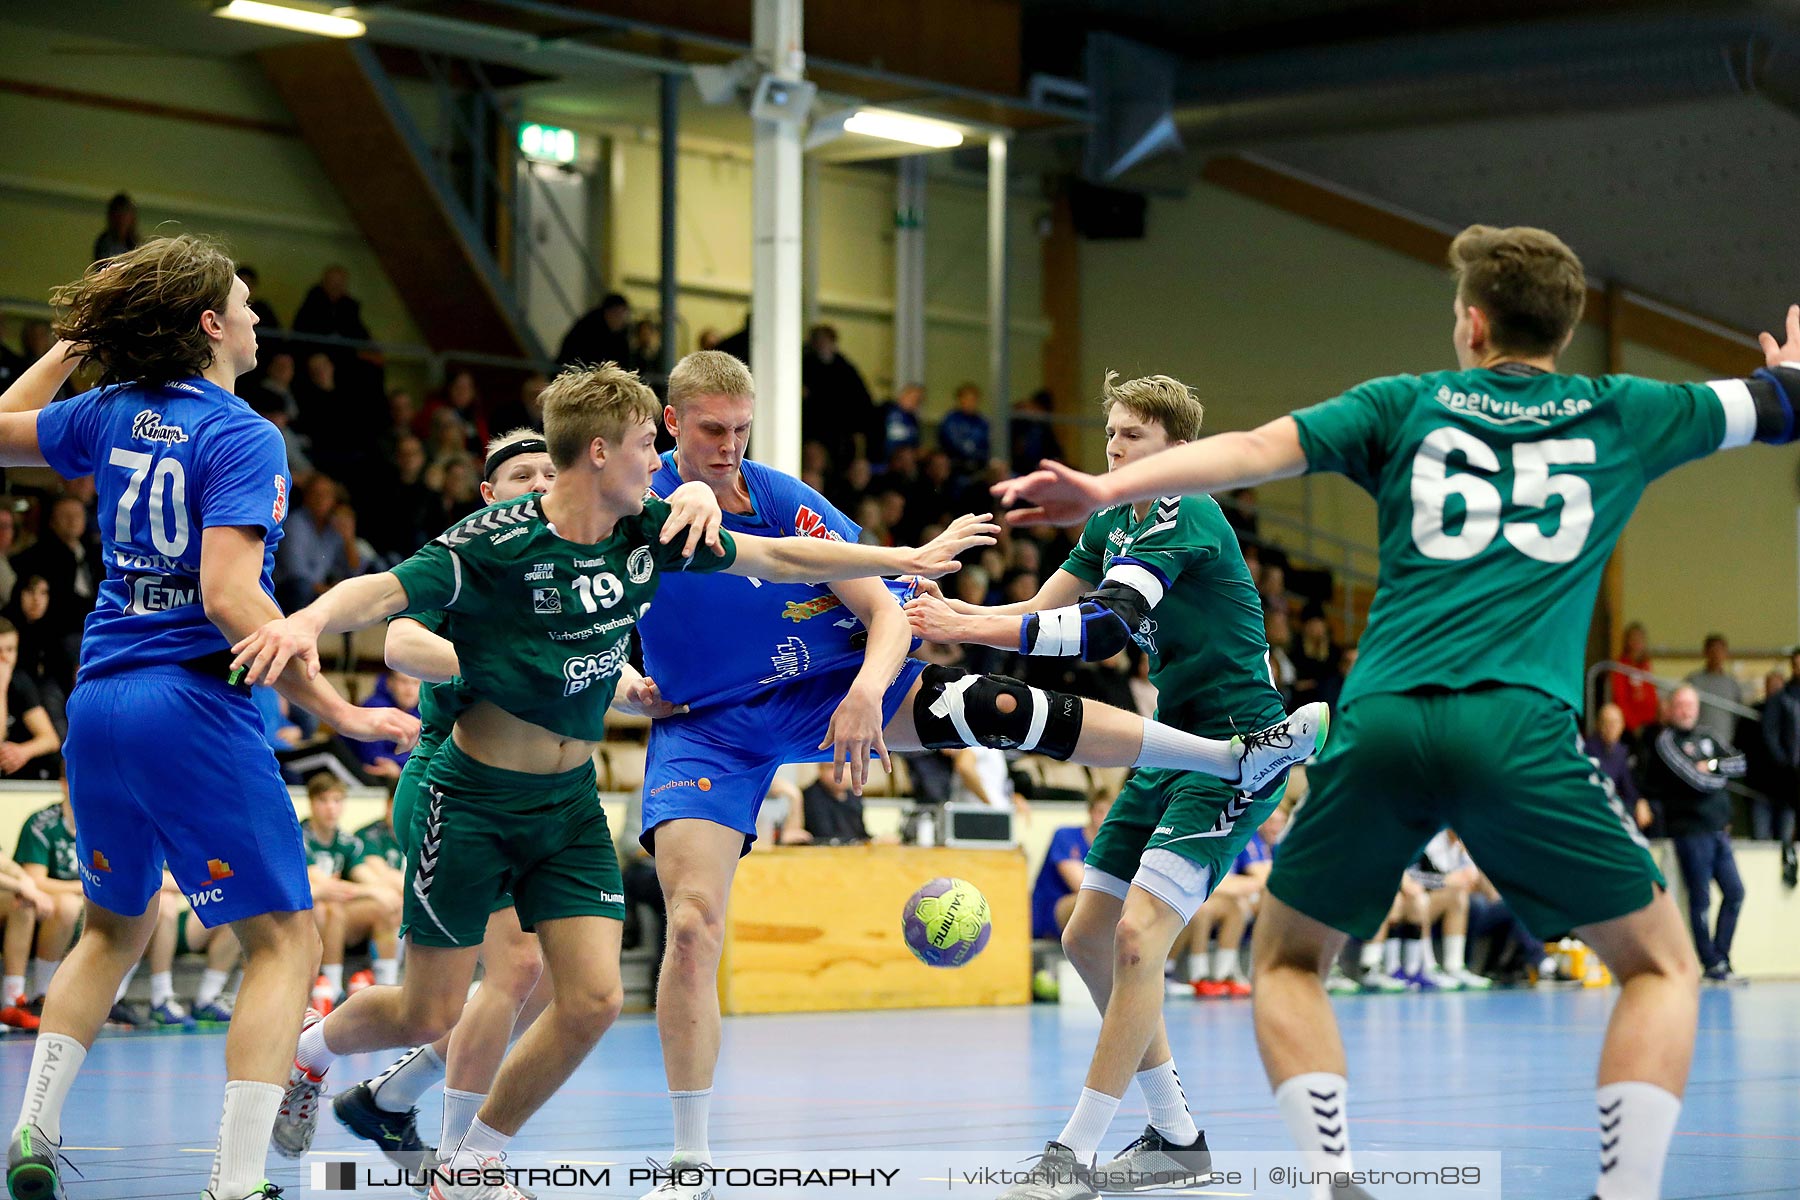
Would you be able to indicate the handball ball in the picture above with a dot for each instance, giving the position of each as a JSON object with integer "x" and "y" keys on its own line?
{"x": 946, "y": 923}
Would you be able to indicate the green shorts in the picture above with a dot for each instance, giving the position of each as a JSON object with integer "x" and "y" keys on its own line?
{"x": 1200, "y": 817}
{"x": 411, "y": 806}
{"x": 485, "y": 831}
{"x": 1504, "y": 768}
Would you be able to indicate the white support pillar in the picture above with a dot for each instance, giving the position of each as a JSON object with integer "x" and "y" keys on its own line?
{"x": 909, "y": 272}
{"x": 998, "y": 309}
{"x": 813, "y": 234}
{"x": 777, "y": 277}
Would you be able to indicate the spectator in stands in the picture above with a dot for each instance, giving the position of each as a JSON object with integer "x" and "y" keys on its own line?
{"x": 1033, "y": 437}
{"x": 30, "y": 750}
{"x": 1771, "y": 815}
{"x": 1715, "y": 681}
{"x": 267, "y": 323}
{"x": 527, "y": 411}
{"x": 737, "y": 344}
{"x": 277, "y": 381}
{"x": 41, "y": 930}
{"x": 646, "y": 350}
{"x": 319, "y": 548}
{"x": 463, "y": 402}
{"x": 835, "y": 404}
{"x": 46, "y": 655}
{"x": 1606, "y": 746}
{"x": 330, "y": 310}
{"x": 381, "y": 759}
{"x": 1059, "y": 878}
{"x": 1781, "y": 734}
{"x": 1279, "y": 632}
{"x": 445, "y": 442}
{"x": 833, "y": 813}
{"x": 402, "y": 521}
{"x": 19, "y": 896}
{"x": 1226, "y": 916}
{"x": 897, "y": 425}
{"x": 707, "y": 339}
{"x": 1688, "y": 769}
{"x": 268, "y": 405}
{"x": 381, "y": 867}
{"x": 403, "y": 416}
{"x": 964, "y": 433}
{"x": 981, "y": 775}
{"x": 347, "y": 911}
{"x": 1637, "y": 699}
{"x": 781, "y": 821}
{"x": 9, "y": 532}
{"x": 599, "y": 335}
{"x": 458, "y": 495}
{"x": 340, "y": 418}
{"x": 120, "y": 235}
{"x": 1315, "y": 658}
{"x": 1241, "y": 515}
{"x": 67, "y": 560}
{"x": 220, "y": 945}
{"x": 1515, "y": 956}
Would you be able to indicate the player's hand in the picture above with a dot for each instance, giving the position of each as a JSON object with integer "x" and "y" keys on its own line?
{"x": 796, "y": 837}
{"x": 642, "y": 698}
{"x": 933, "y": 619}
{"x": 11, "y": 757}
{"x": 854, "y": 733}
{"x": 695, "y": 508}
{"x": 380, "y": 725}
{"x": 1059, "y": 495}
{"x": 938, "y": 556}
{"x": 265, "y": 653}
{"x": 1775, "y": 353}
{"x": 335, "y": 891}
{"x": 925, "y": 587}
{"x": 37, "y": 897}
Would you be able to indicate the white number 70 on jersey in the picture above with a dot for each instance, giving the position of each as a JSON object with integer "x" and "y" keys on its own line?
{"x": 1533, "y": 485}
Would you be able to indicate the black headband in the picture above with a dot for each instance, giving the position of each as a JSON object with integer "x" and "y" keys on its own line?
{"x": 498, "y": 458}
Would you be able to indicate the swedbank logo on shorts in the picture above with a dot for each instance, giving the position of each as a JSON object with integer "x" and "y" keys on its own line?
{"x": 702, "y": 783}
{"x": 584, "y": 669}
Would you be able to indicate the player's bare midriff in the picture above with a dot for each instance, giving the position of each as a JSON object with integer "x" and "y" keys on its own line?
{"x": 493, "y": 736}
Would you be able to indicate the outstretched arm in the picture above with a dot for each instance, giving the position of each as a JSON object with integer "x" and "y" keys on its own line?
{"x": 352, "y": 604}
{"x": 820, "y": 560}
{"x": 40, "y": 382}
{"x": 1060, "y": 495}
{"x": 416, "y": 650}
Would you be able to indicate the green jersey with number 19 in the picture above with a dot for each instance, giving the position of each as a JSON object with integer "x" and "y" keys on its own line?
{"x": 542, "y": 624}
{"x": 1499, "y": 496}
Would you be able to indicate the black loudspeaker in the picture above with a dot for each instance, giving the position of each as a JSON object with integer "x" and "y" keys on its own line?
{"x": 1103, "y": 213}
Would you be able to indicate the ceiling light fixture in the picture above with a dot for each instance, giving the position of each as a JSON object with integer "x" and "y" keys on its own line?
{"x": 899, "y": 127}
{"x": 321, "y": 21}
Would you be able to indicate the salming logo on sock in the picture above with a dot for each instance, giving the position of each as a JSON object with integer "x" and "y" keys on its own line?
{"x": 1328, "y": 1113}
{"x": 1609, "y": 1137}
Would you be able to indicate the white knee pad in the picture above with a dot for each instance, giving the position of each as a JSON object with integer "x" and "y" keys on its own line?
{"x": 1107, "y": 885}
{"x": 1180, "y": 883}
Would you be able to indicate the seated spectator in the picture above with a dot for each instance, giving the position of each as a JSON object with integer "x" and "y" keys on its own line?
{"x": 330, "y": 309}
{"x": 600, "y": 335}
{"x": 462, "y": 402}
{"x": 646, "y": 348}
{"x": 1315, "y": 659}
{"x": 347, "y": 911}
{"x": 1687, "y": 769}
{"x": 1516, "y": 956}
{"x": 458, "y": 495}
{"x": 121, "y": 233}
{"x": 963, "y": 433}
{"x": 848, "y": 488}
{"x": 1281, "y": 665}
{"x": 42, "y": 926}
{"x": 268, "y": 405}
{"x": 381, "y": 760}
{"x": 68, "y": 560}
{"x": 1059, "y": 878}
{"x": 1606, "y": 746}
{"x": 869, "y": 518}
{"x": 1448, "y": 878}
{"x": 9, "y": 532}
{"x": 781, "y": 821}
{"x": 381, "y": 866}
{"x": 402, "y": 520}
{"x": 267, "y": 323}
{"x": 1033, "y": 435}
{"x": 1637, "y": 699}
{"x": 403, "y": 417}
{"x": 834, "y": 814}
{"x": 273, "y": 384}
{"x": 1226, "y": 914}
{"x": 527, "y": 411}
{"x": 319, "y": 547}
{"x": 30, "y": 750}
{"x": 815, "y": 462}
{"x": 220, "y": 946}
{"x": 983, "y": 776}
{"x": 896, "y": 425}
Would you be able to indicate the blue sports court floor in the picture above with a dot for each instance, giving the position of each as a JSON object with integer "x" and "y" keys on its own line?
{"x": 1507, "y": 1071}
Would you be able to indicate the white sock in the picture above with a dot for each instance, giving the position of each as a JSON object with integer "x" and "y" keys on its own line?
{"x": 312, "y": 1054}
{"x": 412, "y": 1075}
{"x": 1430, "y": 953}
{"x": 1390, "y": 955}
{"x": 1414, "y": 955}
{"x": 334, "y": 975}
{"x": 459, "y": 1114}
{"x": 1636, "y": 1122}
{"x": 1233, "y": 969}
{"x": 54, "y": 1061}
{"x": 212, "y": 986}
{"x": 125, "y": 983}
{"x": 14, "y": 987}
{"x": 1371, "y": 955}
{"x": 480, "y": 1144}
{"x": 387, "y": 971}
{"x": 1088, "y": 1124}
{"x": 239, "y": 1165}
{"x": 1166, "y": 747}
{"x": 1215, "y": 962}
{"x": 1168, "y": 1104}
{"x": 1318, "y": 1119}
{"x": 41, "y": 971}
{"x": 1456, "y": 951}
{"x": 693, "y": 1113}
{"x": 162, "y": 990}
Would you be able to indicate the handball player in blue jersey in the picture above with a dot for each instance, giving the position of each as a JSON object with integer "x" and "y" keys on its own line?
{"x": 166, "y": 760}
{"x": 820, "y": 673}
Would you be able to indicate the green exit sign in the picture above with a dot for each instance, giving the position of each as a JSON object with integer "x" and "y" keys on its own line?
{"x": 547, "y": 143}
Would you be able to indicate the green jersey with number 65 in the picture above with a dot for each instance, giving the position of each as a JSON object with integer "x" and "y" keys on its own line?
{"x": 1499, "y": 496}
{"x": 542, "y": 624}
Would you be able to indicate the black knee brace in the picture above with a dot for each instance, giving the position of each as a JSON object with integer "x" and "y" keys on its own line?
{"x": 955, "y": 708}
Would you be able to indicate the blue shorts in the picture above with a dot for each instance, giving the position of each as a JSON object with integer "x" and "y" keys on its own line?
{"x": 716, "y": 765}
{"x": 170, "y": 766}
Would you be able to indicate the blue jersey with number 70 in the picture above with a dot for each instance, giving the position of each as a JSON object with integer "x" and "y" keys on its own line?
{"x": 168, "y": 462}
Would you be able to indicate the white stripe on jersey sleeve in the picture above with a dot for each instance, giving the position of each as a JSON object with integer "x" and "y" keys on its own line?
{"x": 1139, "y": 579}
{"x": 455, "y": 574}
{"x": 1740, "y": 412}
